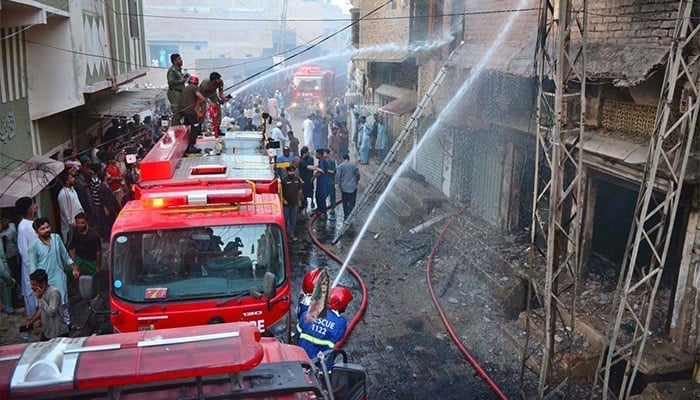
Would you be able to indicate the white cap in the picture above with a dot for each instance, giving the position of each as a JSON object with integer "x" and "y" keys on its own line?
{"x": 279, "y": 124}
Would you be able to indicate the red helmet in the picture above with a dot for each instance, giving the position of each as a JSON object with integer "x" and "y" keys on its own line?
{"x": 340, "y": 298}
{"x": 194, "y": 79}
{"x": 309, "y": 282}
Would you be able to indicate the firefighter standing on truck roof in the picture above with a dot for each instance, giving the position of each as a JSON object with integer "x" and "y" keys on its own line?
{"x": 323, "y": 333}
{"x": 190, "y": 107}
{"x": 176, "y": 84}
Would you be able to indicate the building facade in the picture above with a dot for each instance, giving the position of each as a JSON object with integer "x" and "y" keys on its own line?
{"x": 58, "y": 57}
{"x": 480, "y": 127}
{"x": 238, "y": 39}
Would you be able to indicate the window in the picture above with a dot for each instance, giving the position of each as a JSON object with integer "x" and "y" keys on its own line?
{"x": 355, "y": 15}
{"x": 192, "y": 263}
{"x": 134, "y": 19}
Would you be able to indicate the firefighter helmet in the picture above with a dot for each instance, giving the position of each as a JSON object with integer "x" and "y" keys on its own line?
{"x": 194, "y": 79}
{"x": 340, "y": 298}
{"x": 309, "y": 283}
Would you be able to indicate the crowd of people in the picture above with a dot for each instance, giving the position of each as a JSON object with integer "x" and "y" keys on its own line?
{"x": 39, "y": 270}
{"x": 97, "y": 182}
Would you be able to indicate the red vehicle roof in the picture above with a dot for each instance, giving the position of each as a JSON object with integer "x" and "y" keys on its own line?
{"x": 265, "y": 208}
{"x": 134, "y": 358}
{"x": 194, "y": 362}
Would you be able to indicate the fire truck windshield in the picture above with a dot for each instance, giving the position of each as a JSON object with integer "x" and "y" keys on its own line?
{"x": 308, "y": 82}
{"x": 195, "y": 262}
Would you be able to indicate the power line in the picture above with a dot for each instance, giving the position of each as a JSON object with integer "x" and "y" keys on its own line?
{"x": 652, "y": 15}
{"x": 310, "y": 47}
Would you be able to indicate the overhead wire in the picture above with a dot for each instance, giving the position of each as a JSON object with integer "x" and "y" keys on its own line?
{"x": 326, "y": 38}
{"x": 652, "y": 15}
{"x": 315, "y": 42}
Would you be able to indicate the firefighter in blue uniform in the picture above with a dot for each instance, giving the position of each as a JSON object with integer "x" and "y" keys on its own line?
{"x": 322, "y": 334}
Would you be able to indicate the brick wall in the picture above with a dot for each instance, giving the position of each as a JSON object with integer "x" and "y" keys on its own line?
{"x": 627, "y": 39}
{"x": 374, "y": 31}
{"x": 632, "y": 21}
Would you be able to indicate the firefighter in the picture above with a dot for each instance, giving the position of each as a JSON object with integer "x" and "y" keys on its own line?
{"x": 192, "y": 109}
{"x": 323, "y": 333}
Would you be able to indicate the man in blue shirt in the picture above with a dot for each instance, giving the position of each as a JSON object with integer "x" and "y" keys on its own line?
{"x": 47, "y": 252}
{"x": 283, "y": 161}
{"x": 324, "y": 333}
{"x": 347, "y": 177}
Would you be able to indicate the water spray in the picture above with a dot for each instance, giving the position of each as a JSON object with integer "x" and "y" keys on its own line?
{"x": 449, "y": 108}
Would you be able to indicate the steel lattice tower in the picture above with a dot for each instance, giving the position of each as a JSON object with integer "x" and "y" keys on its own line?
{"x": 558, "y": 192}
{"x": 669, "y": 150}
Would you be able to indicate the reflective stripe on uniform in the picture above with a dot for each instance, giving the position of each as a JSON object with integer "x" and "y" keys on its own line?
{"x": 317, "y": 341}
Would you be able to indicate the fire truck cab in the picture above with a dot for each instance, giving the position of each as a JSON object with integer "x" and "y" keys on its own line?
{"x": 198, "y": 244}
{"x": 221, "y": 361}
{"x": 310, "y": 87}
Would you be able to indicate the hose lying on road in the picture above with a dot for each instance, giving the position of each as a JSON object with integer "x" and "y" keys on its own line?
{"x": 450, "y": 329}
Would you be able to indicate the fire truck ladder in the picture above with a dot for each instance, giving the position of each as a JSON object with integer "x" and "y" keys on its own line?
{"x": 557, "y": 196}
{"x": 389, "y": 166}
{"x": 669, "y": 150}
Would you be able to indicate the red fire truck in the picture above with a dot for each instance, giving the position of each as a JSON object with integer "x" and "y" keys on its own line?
{"x": 310, "y": 87}
{"x": 220, "y": 361}
{"x": 197, "y": 244}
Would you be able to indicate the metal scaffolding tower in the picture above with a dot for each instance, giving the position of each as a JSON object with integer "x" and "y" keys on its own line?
{"x": 655, "y": 212}
{"x": 558, "y": 192}
{"x": 390, "y": 165}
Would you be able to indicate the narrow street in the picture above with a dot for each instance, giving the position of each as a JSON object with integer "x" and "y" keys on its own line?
{"x": 401, "y": 340}
{"x": 535, "y": 164}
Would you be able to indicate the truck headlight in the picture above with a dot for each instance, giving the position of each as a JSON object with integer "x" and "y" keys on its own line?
{"x": 280, "y": 329}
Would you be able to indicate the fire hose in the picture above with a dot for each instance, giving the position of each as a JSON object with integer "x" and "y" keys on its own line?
{"x": 450, "y": 329}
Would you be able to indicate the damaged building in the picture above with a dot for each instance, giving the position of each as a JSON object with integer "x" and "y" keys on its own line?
{"x": 485, "y": 117}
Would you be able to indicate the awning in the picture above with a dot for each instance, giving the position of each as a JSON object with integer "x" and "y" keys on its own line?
{"x": 28, "y": 179}
{"x": 126, "y": 103}
{"x": 392, "y": 54}
{"x": 400, "y": 106}
{"x": 394, "y": 91}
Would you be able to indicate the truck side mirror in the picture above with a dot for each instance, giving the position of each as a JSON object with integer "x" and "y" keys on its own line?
{"x": 349, "y": 381}
{"x": 88, "y": 289}
{"x": 269, "y": 285}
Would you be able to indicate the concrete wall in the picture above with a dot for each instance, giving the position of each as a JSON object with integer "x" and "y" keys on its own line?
{"x": 59, "y": 4}
{"x": 69, "y": 56}
{"x": 56, "y": 75}
{"x": 15, "y": 132}
{"x": 49, "y": 62}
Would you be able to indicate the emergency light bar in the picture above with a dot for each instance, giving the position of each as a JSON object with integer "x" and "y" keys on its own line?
{"x": 197, "y": 197}
{"x": 309, "y": 70}
{"x": 208, "y": 170}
